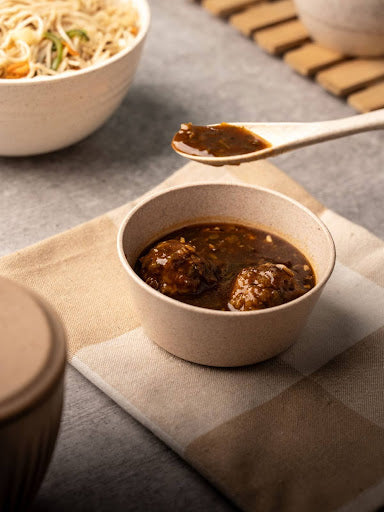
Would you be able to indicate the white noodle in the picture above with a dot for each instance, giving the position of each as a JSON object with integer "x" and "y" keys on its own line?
{"x": 26, "y": 51}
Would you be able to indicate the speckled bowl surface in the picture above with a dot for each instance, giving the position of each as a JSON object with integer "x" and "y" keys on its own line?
{"x": 44, "y": 114}
{"x": 352, "y": 27}
{"x": 223, "y": 338}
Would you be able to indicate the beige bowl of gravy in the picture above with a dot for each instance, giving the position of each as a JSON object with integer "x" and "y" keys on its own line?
{"x": 219, "y": 337}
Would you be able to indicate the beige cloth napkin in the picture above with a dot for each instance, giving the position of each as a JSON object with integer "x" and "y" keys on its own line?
{"x": 301, "y": 432}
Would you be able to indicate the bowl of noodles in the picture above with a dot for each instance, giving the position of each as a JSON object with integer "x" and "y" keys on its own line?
{"x": 65, "y": 67}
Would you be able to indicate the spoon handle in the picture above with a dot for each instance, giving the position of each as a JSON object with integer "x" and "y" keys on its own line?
{"x": 355, "y": 124}
{"x": 306, "y": 134}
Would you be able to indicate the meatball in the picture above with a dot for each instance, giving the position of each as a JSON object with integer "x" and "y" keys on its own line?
{"x": 264, "y": 286}
{"x": 174, "y": 268}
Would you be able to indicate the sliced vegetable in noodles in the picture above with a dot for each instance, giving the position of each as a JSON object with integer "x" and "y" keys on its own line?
{"x": 76, "y": 32}
{"x": 57, "y": 47}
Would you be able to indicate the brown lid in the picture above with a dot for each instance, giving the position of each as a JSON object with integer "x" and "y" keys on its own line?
{"x": 32, "y": 350}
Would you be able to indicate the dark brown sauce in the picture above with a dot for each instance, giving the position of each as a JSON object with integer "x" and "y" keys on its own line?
{"x": 220, "y": 140}
{"x": 226, "y": 267}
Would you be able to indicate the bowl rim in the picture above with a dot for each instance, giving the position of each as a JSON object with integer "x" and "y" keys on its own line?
{"x": 145, "y": 17}
{"x": 207, "y": 311}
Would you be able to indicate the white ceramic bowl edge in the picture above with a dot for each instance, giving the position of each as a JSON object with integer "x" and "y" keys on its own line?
{"x": 49, "y": 113}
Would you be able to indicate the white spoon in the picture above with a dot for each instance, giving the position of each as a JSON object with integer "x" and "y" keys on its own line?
{"x": 284, "y": 137}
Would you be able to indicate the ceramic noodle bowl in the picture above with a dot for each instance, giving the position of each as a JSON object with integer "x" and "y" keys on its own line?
{"x": 32, "y": 354}
{"x": 214, "y": 337}
{"x": 47, "y": 113}
{"x": 352, "y": 27}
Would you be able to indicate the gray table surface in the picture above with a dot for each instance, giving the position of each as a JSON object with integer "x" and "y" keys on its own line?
{"x": 194, "y": 68}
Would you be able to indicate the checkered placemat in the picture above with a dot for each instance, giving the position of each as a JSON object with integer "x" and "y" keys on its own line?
{"x": 301, "y": 432}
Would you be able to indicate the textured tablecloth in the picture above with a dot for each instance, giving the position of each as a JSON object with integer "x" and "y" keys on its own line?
{"x": 303, "y": 431}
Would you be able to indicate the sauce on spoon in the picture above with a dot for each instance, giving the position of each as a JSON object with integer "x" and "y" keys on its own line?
{"x": 220, "y": 140}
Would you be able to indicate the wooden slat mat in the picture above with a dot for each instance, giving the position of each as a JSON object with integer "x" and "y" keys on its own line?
{"x": 274, "y": 26}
